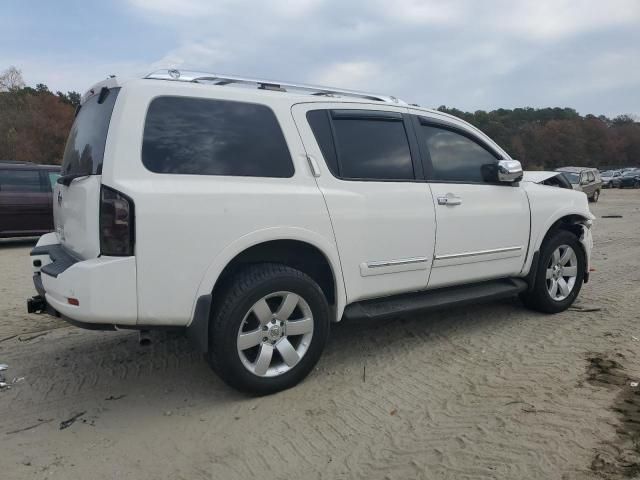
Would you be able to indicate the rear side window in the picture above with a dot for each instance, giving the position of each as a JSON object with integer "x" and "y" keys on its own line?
{"x": 214, "y": 137}
{"x": 21, "y": 181}
{"x": 364, "y": 144}
{"x": 84, "y": 151}
{"x": 455, "y": 157}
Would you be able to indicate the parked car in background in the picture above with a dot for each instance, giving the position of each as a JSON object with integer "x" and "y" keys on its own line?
{"x": 629, "y": 179}
{"x": 584, "y": 179}
{"x": 610, "y": 178}
{"x": 26, "y": 207}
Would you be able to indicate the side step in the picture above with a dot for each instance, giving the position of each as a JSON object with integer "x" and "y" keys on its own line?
{"x": 434, "y": 299}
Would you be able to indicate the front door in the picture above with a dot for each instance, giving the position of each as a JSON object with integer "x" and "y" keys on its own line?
{"x": 482, "y": 227}
{"x": 367, "y": 166}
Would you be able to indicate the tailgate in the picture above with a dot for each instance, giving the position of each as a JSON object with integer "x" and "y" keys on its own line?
{"x": 76, "y": 200}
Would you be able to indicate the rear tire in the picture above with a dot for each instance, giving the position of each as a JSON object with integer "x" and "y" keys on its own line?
{"x": 252, "y": 344}
{"x": 596, "y": 196}
{"x": 552, "y": 268}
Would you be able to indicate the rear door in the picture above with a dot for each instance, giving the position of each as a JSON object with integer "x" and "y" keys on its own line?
{"x": 367, "y": 167}
{"x": 591, "y": 186}
{"x": 482, "y": 228}
{"x": 25, "y": 202}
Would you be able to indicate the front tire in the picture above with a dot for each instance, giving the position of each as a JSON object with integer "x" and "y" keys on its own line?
{"x": 268, "y": 330}
{"x": 596, "y": 196}
{"x": 559, "y": 275}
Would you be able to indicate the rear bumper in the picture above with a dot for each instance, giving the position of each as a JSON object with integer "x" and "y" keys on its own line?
{"x": 104, "y": 288}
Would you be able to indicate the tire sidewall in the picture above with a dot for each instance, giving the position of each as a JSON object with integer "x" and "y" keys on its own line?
{"x": 224, "y": 343}
{"x": 560, "y": 237}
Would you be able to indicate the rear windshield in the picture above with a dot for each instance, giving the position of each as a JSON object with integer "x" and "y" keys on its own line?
{"x": 85, "y": 146}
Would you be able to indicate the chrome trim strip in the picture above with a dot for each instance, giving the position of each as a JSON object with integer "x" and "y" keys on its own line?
{"x": 480, "y": 252}
{"x": 392, "y": 263}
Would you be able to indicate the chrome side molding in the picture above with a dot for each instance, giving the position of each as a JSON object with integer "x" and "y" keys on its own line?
{"x": 479, "y": 252}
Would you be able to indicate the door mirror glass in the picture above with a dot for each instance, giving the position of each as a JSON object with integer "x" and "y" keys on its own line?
{"x": 509, "y": 171}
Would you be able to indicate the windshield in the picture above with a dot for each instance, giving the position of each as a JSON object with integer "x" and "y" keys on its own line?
{"x": 572, "y": 177}
{"x": 85, "y": 146}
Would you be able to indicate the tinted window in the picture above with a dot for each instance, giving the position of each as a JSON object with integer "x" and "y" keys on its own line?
{"x": 372, "y": 149}
{"x": 20, "y": 181}
{"x": 84, "y": 152}
{"x": 320, "y": 124}
{"x": 214, "y": 137}
{"x": 455, "y": 157}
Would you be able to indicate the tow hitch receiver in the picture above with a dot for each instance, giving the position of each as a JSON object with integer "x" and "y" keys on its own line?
{"x": 36, "y": 304}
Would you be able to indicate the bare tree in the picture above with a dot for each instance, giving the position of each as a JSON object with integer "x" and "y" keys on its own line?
{"x": 11, "y": 80}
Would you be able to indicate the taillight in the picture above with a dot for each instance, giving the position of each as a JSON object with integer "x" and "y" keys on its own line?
{"x": 116, "y": 223}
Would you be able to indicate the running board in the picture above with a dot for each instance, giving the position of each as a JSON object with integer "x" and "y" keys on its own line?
{"x": 434, "y": 299}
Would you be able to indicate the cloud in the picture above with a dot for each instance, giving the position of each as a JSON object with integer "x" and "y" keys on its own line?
{"x": 347, "y": 74}
{"x": 473, "y": 55}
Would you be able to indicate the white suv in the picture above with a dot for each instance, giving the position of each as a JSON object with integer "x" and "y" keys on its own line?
{"x": 253, "y": 214}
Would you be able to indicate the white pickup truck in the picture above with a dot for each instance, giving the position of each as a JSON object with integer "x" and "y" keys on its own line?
{"x": 253, "y": 213}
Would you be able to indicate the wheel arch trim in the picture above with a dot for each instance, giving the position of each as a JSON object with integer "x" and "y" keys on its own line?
{"x": 568, "y": 215}
{"x": 231, "y": 251}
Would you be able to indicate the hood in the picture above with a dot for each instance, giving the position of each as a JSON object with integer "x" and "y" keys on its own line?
{"x": 538, "y": 177}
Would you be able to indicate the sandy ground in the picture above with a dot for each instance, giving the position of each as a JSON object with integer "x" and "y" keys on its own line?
{"x": 493, "y": 391}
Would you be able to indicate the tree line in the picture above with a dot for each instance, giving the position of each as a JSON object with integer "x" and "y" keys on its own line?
{"x": 35, "y": 122}
{"x": 548, "y": 138}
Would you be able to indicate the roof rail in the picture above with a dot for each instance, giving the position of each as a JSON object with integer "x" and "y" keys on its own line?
{"x": 276, "y": 85}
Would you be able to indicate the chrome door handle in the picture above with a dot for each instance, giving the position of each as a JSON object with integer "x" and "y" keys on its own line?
{"x": 449, "y": 199}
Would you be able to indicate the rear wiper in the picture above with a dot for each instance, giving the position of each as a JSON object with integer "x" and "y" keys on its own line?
{"x": 67, "y": 179}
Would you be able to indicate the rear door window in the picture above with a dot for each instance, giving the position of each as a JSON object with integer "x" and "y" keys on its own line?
{"x": 84, "y": 152}
{"x": 363, "y": 144}
{"x": 21, "y": 181}
{"x": 197, "y": 136}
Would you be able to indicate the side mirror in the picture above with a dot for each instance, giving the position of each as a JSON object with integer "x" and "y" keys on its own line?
{"x": 509, "y": 171}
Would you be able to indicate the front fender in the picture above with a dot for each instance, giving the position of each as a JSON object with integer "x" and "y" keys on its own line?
{"x": 550, "y": 205}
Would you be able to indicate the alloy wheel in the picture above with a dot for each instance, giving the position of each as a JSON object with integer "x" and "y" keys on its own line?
{"x": 561, "y": 273}
{"x": 275, "y": 334}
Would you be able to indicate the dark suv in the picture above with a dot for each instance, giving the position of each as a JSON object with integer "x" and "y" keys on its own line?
{"x": 26, "y": 198}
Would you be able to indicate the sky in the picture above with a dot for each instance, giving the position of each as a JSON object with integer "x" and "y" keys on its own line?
{"x": 468, "y": 54}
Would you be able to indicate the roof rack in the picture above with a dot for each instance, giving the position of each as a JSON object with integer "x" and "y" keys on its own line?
{"x": 275, "y": 85}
